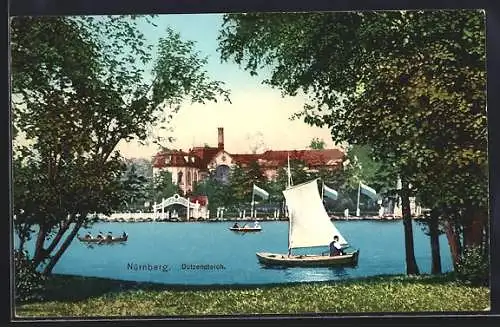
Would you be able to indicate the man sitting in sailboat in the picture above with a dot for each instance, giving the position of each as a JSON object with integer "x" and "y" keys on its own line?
{"x": 335, "y": 247}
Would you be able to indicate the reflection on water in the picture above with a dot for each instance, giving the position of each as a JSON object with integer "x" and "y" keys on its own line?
{"x": 338, "y": 271}
{"x": 221, "y": 256}
{"x": 316, "y": 274}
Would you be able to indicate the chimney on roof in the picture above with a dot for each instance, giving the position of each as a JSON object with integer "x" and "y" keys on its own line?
{"x": 220, "y": 144}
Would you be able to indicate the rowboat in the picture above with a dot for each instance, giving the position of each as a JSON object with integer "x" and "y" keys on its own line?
{"x": 104, "y": 240}
{"x": 246, "y": 229}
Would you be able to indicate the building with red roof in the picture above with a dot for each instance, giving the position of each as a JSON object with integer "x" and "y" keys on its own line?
{"x": 194, "y": 165}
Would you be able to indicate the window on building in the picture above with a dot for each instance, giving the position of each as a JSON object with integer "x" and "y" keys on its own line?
{"x": 222, "y": 174}
{"x": 179, "y": 178}
{"x": 188, "y": 179}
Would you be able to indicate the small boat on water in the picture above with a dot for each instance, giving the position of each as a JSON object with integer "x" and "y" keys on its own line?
{"x": 308, "y": 260}
{"x": 309, "y": 226}
{"x": 246, "y": 229}
{"x": 103, "y": 240}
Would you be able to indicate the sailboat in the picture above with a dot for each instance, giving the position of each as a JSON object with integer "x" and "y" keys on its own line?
{"x": 309, "y": 226}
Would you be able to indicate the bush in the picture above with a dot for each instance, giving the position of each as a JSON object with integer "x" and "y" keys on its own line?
{"x": 28, "y": 282}
{"x": 473, "y": 267}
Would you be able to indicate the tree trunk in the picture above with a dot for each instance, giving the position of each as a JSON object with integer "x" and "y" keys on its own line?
{"x": 486, "y": 239}
{"x": 40, "y": 253}
{"x": 22, "y": 233}
{"x": 477, "y": 230}
{"x": 58, "y": 237}
{"x": 452, "y": 242}
{"x": 44, "y": 253}
{"x": 22, "y": 240}
{"x": 458, "y": 240}
{"x": 53, "y": 261}
{"x": 434, "y": 238}
{"x": 411, "y": 263}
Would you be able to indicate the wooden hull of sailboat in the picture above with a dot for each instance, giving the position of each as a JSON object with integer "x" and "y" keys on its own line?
{"x": 283, "y": 260}
{"x": 245, "y": 229}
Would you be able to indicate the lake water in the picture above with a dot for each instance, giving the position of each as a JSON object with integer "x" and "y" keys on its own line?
{"x": 172, "y": 247}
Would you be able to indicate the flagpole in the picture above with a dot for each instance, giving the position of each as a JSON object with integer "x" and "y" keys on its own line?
{"x": 359, "y": 193}
{"x": 253, "y": 194}
{"x": 289, "y": 173}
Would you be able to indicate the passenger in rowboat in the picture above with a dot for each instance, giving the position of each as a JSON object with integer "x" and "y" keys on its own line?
{"x": 109, "y": 237}
{"x": 335, "y": 247}
{"x": 88, "y": 236}
{"x": 236, "y": 225}
{"x": 100, "y": 236}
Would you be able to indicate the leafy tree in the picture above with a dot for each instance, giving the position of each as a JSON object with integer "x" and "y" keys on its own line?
{"x": 241, "y": 185}
{"x": 255, "y": 173}
{"x": 299, "y": 171}
{"x": 134, "y": 188}
{"x": 219, "y": 194}
{"x": 411, "y": 85}
{"x": 163, "y": 187}
{"x": 275, "y": 187}
{"x": 317, "y": 144}
{"x": 78, "y": 89}
{"x": 139, "y": 177}
{"x": 368, "y": 168}
{"x": 142, "y": 166}
{"x": 242, "y": 181}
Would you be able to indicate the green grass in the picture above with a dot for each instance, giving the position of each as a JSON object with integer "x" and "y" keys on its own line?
{"x": 96, "y": 297}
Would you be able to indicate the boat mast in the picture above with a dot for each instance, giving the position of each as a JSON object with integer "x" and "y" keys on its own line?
{"x": 289, "y": 173}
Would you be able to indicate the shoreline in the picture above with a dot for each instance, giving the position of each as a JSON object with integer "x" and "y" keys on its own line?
{"x": 249, "y": 219}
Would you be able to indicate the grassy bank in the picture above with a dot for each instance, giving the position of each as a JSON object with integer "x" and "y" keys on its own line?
{"x": 96, "y": 297}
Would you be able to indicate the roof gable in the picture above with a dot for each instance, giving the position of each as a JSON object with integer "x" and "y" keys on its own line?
{"x": 221, "y": 158}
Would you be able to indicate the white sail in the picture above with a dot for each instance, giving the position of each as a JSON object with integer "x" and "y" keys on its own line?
{"x": 310, "y": 224}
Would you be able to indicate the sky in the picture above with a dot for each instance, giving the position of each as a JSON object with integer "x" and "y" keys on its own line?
{"x": 257, "y": 114}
